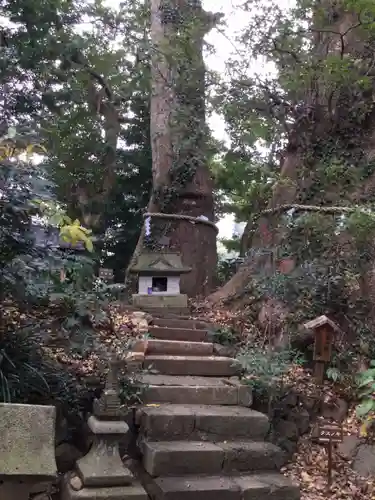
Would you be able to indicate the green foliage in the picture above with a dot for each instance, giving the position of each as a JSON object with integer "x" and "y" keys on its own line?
{"x": 226, "y": 336}
{"x": 28, "y": 376}
{"x": 265, "y": 368}
{"x": 226, "y": 268}
{"x": 131, "y": 389}
{"x": 366, "y": 386}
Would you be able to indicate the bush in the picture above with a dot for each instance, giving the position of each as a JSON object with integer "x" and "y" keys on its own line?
{"x": 265, "y": 368}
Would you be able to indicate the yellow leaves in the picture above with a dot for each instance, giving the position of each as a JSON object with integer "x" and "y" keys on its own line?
{"x": 9, "y": 151}
{"x": 70, "y": 231}
{"x": 366, "y": 426}
{"x": 74, "y": 233}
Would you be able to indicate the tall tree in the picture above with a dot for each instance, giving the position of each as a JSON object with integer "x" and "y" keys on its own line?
{"x": 181, "y": 179}
{"x": 322, "y": 104}
{"x": 86, "y": 90}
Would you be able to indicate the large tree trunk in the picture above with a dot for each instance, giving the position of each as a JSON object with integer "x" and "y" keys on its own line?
{"x": 178, "y": 135}
{"x": 341, "y": 37}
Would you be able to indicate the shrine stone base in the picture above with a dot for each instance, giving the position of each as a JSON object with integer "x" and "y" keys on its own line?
{"x": 179, "y": 301}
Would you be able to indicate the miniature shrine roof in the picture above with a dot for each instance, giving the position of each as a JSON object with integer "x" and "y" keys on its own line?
{"x": 319, "y": 322}
{"x": 160, "y": 263}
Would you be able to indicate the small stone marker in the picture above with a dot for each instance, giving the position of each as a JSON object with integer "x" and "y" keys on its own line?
{"x": 328, "y": 434}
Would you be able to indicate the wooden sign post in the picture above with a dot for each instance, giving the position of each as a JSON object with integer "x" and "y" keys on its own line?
{"x": 328, "y": 434}
{"x": 324, "y": 331}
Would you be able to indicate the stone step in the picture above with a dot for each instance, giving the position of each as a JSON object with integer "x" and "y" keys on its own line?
{"x": 268, "y": 486}
{"x": 190, "y": 324}
{"x": 208, "y": 366}
{"x": 174, "y": 422}
{"x": 172, "y": 458}
{"x": 131, "y": 492}
{"x": 179, "y": 347}
{"x": 195, "y": 390}
{"x": 166, "y": 313}
{"x": 194, "y": 335}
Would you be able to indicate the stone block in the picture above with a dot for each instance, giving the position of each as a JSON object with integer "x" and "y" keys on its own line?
{"x": 178, "y": 347}
{"x": 267, "y": 487}
{"x": 185, "y": 324}
{"x": 12, "y": 491}
{"x": 27, "y": 442}
{"x": 209, "y": 366}
{"x": 194, "y": 395}
{"x": 245, "y": 456}
{"x": 162, "y": 301}
{"x": 102, "y": 466}
{"x": 133, "y": 492}
{"x": 197, "y": 488}
{"x": 166, "y": 422}
{"x": 193, "y": 335}
{"x": 231, "y": 422}
{"x": 200, "y": 422}
{"x": 181, "y": 457}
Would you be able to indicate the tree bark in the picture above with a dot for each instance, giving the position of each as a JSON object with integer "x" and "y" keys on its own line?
{"x": 340, "y": 38}
{"x": 174, "y": 76}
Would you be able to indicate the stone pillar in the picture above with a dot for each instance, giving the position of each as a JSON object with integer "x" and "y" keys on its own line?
{"x": 101, "y": 474}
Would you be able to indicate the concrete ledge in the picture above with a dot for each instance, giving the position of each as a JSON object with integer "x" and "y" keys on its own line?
{"x": 160, "y": 301}
{"x": 134, "y": 492}
{"x": 179, "y": 347}
{"x": 165, "y": 333}
{"x": 209, "y": 366}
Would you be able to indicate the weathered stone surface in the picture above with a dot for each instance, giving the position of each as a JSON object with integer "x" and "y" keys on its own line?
{"x": 66, "y": 456}
{"x": 245, "y": 396}
{"x": 76, "y": 483}
{"x": 192, "y": 395}
{"x": 234, "y": 422}
{"x": 195, "y": 390}
{"x": 166, "y": 422}
{"x": 336, "y": 410}
{"x": 139, "y": 320}
{"x": 301, "y": 417}
{"x": 349, "y": 446}
{"x": 224, "y": 350}
{"x": 102, "y": 466}
{"x": 287, "y": 429}
{"x": 364, "y": 461}
{"x": 181, "y": 457}
{"x": 194, "y": 335}
{"x": 192, "y": 365}
{"x": 200, "y": 422}
{"x": 134, "y": 492}
{"x": 179, "y": 347}
{"x": 164, "y": 301}
{"x": 27, "y": 432}
{"x": 10, "y": 491}
{"x": 251, "y": 456}
{"x": 271, "y": 486}
{"x": 267, "y": 487}
{"x": 197, "y": 488}
{"x": 189, "y": 324}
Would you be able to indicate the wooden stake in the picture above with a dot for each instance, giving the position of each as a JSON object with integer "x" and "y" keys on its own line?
{"x": 319, "y": 371}
{"x": 329, "y": 452}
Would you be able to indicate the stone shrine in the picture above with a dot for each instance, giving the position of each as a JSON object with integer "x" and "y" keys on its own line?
{"x": 159, "y": 276}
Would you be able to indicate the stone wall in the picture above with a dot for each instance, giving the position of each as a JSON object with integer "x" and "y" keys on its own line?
{"x": 295, "y": 414}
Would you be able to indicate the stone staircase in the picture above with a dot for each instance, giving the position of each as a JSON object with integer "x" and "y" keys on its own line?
{"x": 197, "y": 436}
